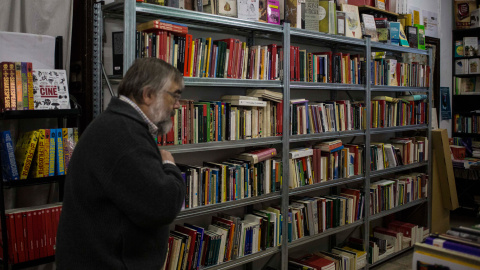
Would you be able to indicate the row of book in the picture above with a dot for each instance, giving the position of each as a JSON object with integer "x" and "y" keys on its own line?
{"x": 398, "y": 235}
{"x": 37, "y": 153}
{"x": 468, "y": 46}
{"x": 233, "y": 118}
{"x": 388, "y": 194}
{"x": 226, "y": 238}
{"x": 309, "y": 216}
{"x": 351, "y": 255}
{"x": 460, "y": 239}
{"x": 325, "y": 161}
{"x": 467, "y": 85}
{"x": 249, "y": 174}
{"x": 401, "y": 111}
{"x": 31, "y": 232}
{"x": 466, "y": 124}
{"x": 317, "y": 117}
{"x": 394, "y": 73}
{"x": 24, "y": 88}
{"x": 399, "y": 152}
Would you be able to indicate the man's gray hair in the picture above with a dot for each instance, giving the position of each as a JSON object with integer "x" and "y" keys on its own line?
{"x": 149, "y": 73}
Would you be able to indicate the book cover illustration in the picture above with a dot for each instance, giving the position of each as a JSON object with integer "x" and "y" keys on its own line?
{"x": 474, "y": 66}
{"x": 421, "y": 36}
{"x": 458, "y": 48}
{"x": 227, "y": 8}
{"x": 248, "y": 10}
{"x": 24, "y": 152}
{"x": 9, "y": 165}
{"x": 273, "y": 12}
{"x": 370, "y": 27}
{"x": 50, "y": 89}
{"x": 470, "y": 46}
{"x": 291, "y": 13}
{"x": 352, "y": 21}
{"x": 311, "y": 16}
{"x": 262, "y": 10}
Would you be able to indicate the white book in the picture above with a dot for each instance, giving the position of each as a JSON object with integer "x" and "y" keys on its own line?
{"x": 248, "y": 10}
{"x": 300, "y": 152}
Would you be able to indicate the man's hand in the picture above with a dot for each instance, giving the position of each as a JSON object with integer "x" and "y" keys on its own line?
{"x": 167, "y": 156}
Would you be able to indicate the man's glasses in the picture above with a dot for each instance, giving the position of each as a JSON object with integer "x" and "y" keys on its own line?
{"x": 176, "y": 96}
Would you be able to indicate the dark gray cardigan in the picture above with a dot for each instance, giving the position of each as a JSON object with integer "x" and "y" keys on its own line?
{"x": 119, "y": 198}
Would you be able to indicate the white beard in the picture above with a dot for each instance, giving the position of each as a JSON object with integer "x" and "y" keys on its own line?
{"x": 160, "y": 116}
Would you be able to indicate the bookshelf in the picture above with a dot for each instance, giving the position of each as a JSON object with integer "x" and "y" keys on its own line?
{"x": 61, "y": 116}
{"x": 131, "y": 13}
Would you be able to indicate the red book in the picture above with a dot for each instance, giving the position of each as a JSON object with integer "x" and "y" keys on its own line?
{"x": 297, "y": 63}
{"x": 48, "y": 228}
{"x": 329, "y": 56}
{"x": 315, "y": 261}
{"x": 170, "y": 140}
{"x": 193, "y": 237}
{"x": 355, "y": 193}
{"x": 42, "y": 233}
{"x": 231, "y": 224}
{"x": 354, "y": 149}
{"x": 232, "y": 52}
{"x": 36, "y": 237}
{"x": 237, "y": 63}
{"x": 159, "y": 25}
{"x": 170, "y": 246}
{"x": 12, "y": 238}
{"x": 30, "y": 236}
{"x": 279, "y": 119}
{"x": 195, "y": 59}
{"x": 273, "y": 52}
{"x": 19, "y": 236}
{"x": 240, "y": 61}
{"x": 259, "y": 155}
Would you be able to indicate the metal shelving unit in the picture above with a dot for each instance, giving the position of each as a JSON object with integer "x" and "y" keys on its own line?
{"x": 131, "y": 12}
{"x": 390, "y": 257}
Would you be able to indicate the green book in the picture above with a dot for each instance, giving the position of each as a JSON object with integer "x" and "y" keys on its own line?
{"x": 421, "y": 36}
{"x": 324, "y": 23}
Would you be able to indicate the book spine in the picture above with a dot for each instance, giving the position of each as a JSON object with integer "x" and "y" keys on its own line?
{"x": 30, "y": 151}
{"x": 51, "y": 162}
{"x": 31, "y": 104}
{"x": 13, "y": 89}
{"x": 5, "y": 87}
{"x": 18, "y": 85}
{"x": 59, "y": 158}
{"x": 9, "y": 166}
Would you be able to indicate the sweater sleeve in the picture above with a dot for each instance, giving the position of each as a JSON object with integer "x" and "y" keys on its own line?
{"x": 149, "y": 193}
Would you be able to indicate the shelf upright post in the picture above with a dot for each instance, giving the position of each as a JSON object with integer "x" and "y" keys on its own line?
{"x": 430, "y": 111}
{"x": 285, "y": 142}
{"x": 129, "y": 21}
{"x": 366, "y": 208}
{"x": 97, "y": 87}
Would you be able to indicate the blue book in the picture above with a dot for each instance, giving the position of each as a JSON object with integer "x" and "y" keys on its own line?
{"x": 7, "y": 155}
{"x": 51, "y": 158}
{"x": 395, "y": 33}
{"x": 175, "y": 23}
{"x": 451, "y": 245}
{"x": 200, "y": 232}
{"x": 59, "y": 159}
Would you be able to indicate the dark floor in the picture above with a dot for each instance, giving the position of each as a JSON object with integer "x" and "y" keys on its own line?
{"x": 458, "y": 218}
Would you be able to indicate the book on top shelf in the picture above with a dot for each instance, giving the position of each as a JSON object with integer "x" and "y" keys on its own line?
{"x": 50, "y": 88}
{"x": 352, "y": 21}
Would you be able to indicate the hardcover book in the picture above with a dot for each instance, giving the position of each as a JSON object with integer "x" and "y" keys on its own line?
{"x": 311, "y": 16}
{"x": 227, "y": 8}
{"x": 412, "y": 36}
{"x": 470, "y": 46}
{"x": 24, "y": 152}
{"x": 323, "y": 16}
{"x": 293, "y": 13}
{"x": 458, "y": 48}
{"x": 395, "y": 33}
{"x": 262, "y": 10}
{"x": 421, "y": 36}
{"x": 403, "y": 37}
{"x": 248, "y": 9}
{"x": 352, "y": 21}
{"x": 7, "y": 155}
{"x": 462, "y": 10}
{"x": 273, "y": 12}
{"x": 341, "y": 23}
{"x": 461, "y": 67}
{"x": 50, "y": 88}
{"x": 370, "y": 27}
{"x": 474, "y": 66}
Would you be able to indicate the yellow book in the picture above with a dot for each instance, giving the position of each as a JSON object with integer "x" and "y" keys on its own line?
{"x": 262, "y": 64}
{"x": 75, "y": 135}
{"x": 37, "y": 165}
{"x": 66, "y": 147}
{"x": 19, "y": 84}
{"x": 209, "y": 49}
{"x": 46, "y": 153}
{"x": 31, "y": 105}
{"x": 386, "y": 98}
{"x": 180, "y": 256}
{"x": 25, "y": 155}
{"x": 192, "y": 54}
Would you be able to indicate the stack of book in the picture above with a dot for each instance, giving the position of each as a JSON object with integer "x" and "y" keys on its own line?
{"x": 399, "y": 152}
{"x": 38, "y": 153}
{"x": 308, "y": 216}
{"x": 325, "y": 161}
{"x": 31, "y": 232}
{"x": 388, "y": 194}
{"x": 247, "y": 175}
{"x": 226, "y": 238}
{"x": 234, "y": 118}
{"x": 401, "y": 111}
{"x": 397, "y": 236}
{"x": 328, "y": 116}
{"x": 350, "y": 256}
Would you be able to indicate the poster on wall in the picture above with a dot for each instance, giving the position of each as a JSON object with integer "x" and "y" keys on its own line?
{"x": 430, "y": 21}
{"x": 445, "y": 107}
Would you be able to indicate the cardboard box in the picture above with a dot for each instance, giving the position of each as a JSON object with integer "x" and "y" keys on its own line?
{"x": 440, "y": 215}
{"x": 441, "y": 151}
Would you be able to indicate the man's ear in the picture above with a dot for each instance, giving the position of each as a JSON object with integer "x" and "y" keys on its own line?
{"x": 148, "y": 95}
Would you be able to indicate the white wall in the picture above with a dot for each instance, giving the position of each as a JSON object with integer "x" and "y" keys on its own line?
{"x": 444, "y": 10}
